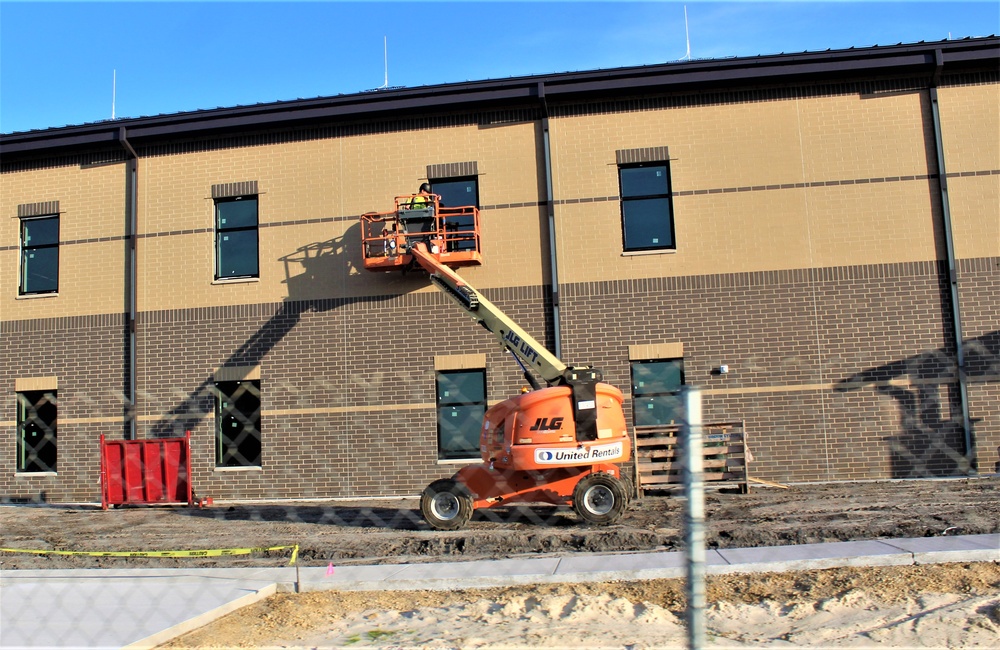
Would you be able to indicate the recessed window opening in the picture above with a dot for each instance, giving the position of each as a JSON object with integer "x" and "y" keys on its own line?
{"x": 36, "y": 447}
{"x": 236, "y": 238}
{"x": 460, "y": 224}
{"x": 461, "y": 400}
{"x": 39, "y": 255}
{"x": 656, "y": 386}
{"x": 647, "y": 210}
{"x": 237, "y": 431}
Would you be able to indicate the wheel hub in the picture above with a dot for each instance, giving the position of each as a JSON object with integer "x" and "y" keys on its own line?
{"x": 445, "y": 506}
{"x": 599, "y": 499}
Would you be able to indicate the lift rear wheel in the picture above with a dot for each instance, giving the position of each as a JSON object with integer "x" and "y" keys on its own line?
{"x": 599, "y": 499}
{"x": 629, "y": 487}
{"x": 446, "y": 505}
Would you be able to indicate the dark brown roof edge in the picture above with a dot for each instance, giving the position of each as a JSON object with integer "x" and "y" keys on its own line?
{"x": 919, "y": 59}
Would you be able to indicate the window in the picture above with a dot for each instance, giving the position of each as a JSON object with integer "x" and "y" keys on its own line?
{"x": 39, "y": 255}
{"x": 36, "y": 431}
{"x": 647, "y": 213}
{"x": 457, "y": 192}
{"x": 236, "y": 238}
{"x": 655, "y": 392}
{"x": 237, "y": 430}
{"x": 460, "y": 225}
{"x": 461, "y": 399}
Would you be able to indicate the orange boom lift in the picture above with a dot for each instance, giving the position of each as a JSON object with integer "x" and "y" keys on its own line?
{"x": 557, "y": 444}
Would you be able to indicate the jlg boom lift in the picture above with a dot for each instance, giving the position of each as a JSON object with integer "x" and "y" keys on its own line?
{"x": 557, "y": 444}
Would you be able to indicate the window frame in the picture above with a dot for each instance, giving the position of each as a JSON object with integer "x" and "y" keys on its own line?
{"x": 222, "y": 450}
{"x": 636, "y": 397}
{"x": 221, "y": 231}
{"x": 442, "y": 404}
{"x": 460, "y": 228}
{"x": 22, "y": 289}
{"x": 626, "y": 200}
{"x": 32, "y": 400}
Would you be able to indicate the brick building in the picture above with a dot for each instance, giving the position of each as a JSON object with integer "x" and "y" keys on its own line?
{"x": 824, "y": 225}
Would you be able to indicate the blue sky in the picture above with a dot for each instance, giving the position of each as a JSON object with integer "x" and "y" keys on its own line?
{"x": 63, "y": 63}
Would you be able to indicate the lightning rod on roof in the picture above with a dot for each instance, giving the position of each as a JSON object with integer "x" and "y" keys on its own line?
{"x": 385, "y": 60}
{"x": 114, "y": 88}
{"x": 687, "y": 36}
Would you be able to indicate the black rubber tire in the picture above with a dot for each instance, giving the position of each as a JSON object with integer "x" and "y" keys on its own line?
{"x": 629, "y": 488}
{"x": 599, "y": 499}
{"x": 446, "y": 505}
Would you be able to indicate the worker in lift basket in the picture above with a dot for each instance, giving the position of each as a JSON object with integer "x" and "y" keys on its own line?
{"x": 423, "y": 198}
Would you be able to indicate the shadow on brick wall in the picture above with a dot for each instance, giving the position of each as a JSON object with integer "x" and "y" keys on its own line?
{"x": 308, "y": 275}
{"x": 930, "y": 444}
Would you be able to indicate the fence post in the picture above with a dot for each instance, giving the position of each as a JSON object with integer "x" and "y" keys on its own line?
{"x": 694, "y": 520}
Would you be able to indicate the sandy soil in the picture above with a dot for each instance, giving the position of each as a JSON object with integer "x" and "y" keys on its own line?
{"x": 948, "y": 606}
{"x": 945, "y": 606}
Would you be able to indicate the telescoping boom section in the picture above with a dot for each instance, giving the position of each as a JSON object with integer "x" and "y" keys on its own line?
{"x": 530, "y": 354}
{"x": 556, "y": 444}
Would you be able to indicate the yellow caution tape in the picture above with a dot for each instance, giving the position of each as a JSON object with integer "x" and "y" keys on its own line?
{"x": 216, "y": 552}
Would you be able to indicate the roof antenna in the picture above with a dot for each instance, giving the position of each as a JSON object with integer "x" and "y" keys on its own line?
{"x": 385, "y": 58}
{"x": 385, "y": 55}
{"x": 114, "y": 88}
{"x": 687, "y": 36}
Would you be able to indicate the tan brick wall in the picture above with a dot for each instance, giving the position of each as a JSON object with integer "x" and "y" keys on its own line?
{"x": 970, "y": 128}
{"x": 864, "y": 136}
{"x": 717, "y": 151}
{"x": 336, "y": 180}
{"x": 91, "y": 274}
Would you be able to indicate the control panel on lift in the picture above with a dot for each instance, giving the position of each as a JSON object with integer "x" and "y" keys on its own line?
{"x": 450, "y": 234}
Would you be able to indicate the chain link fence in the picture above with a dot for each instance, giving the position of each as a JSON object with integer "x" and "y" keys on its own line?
{"x": 674, "y": 513}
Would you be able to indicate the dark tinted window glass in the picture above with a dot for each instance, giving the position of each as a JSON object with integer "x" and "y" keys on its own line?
{"x": 647, "y": 224}
{"x": 40, "y": 232}
{"x": 237, "y": 412}
{"x": 644, "y": 181}
{"x": 460, "y": 387}
{"x": 237, "y": 253}
{"x": 39, "y": 255}
{"x": 236, "y": 238}
{"x": 240, "y": 213}
{"x": 657, "y": 377}
{"x": 36, "y": 431}
{"x": 40, "y": 270}
{"x": 461, "y": 396}
{"x": 655, "y": 391}
{"x": 647, "y": 213}
{"x": 458, "y": 430}
{"x": 457, "y": 192}
{"x": 659, "y": 410}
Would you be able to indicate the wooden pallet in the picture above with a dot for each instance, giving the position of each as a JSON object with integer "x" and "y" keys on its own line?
{"x": 659, "y": 461}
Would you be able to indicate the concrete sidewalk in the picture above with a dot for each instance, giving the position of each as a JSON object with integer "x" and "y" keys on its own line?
{"x": 140, "y": 608}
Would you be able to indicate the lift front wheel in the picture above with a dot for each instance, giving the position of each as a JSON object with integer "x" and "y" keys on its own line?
{"x": 446, "y": 505}
{"x": 599, "y": 499}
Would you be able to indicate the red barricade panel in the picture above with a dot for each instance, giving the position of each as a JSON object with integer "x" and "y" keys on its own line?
{"x": 150, "y": 471}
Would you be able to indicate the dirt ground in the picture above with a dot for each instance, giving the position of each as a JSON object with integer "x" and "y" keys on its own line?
{"x": 392, "y": 531}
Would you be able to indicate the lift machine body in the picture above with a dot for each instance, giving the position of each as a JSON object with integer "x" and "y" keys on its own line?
{"x": 556, "y": 444}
